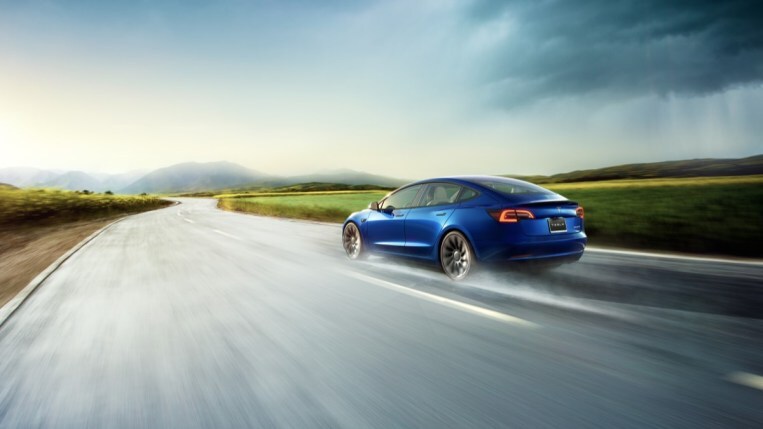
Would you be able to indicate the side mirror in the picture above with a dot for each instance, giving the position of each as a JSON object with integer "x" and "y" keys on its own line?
{"x": 374, "y": 206}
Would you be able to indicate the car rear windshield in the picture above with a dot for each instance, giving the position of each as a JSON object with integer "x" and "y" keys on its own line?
{"x": 510, "y": 187}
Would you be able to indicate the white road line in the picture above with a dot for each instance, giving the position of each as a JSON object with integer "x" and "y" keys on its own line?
{"x": 226, "y": 234}
{"x": 671, "y": 256}
{"x": 746, "y": 379}
{"x": 502, "y": 317}
{"x": 188, "y": 220}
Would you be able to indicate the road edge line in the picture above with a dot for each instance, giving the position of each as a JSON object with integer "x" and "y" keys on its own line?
{"x": 10, "y": 307}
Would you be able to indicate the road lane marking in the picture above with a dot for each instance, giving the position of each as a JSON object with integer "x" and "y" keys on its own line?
{"x": 670, "y": 256}
{"x": 226, "y": 234}
{"x": 502, "y": 317}
{"x": 188, "y": 220}
{"x": 746, "y": 379}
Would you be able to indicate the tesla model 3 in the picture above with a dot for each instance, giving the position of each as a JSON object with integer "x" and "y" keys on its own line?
{"x": 458, "y": 222}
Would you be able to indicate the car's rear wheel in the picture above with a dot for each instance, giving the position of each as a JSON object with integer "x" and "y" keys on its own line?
{"x": 352, "y": 241}
{"x": 456, "y": 256}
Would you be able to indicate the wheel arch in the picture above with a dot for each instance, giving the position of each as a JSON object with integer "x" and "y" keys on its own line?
{"x": 358, "y": 219}
{"x": 454, "y": 228}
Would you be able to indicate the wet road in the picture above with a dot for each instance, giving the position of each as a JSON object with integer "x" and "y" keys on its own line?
{"x": 193, "y": 317}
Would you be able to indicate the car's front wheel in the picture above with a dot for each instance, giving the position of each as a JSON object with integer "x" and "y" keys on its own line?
{"x": 456, "y": 256}
{"x": 352, "y": 241}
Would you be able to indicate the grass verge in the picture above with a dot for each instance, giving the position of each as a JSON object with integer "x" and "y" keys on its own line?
{"x": 320, "y": 206}
{"x": 718, "y": 215}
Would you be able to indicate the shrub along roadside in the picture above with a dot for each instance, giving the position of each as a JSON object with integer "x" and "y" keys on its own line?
{"x": 32, "y": 207}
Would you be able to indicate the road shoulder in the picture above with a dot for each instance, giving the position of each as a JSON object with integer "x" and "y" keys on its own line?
{"x": 26, "y": 253}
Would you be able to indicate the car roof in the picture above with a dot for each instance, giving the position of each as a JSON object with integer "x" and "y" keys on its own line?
{"x": 470, "y": 180}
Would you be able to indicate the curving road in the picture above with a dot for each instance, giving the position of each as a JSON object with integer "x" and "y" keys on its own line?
{"x": 192, "y": 317}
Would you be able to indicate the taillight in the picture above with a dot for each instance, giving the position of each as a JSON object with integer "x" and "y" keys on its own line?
{"x": 511, "y": 215}
{"x": 580, "y": 212}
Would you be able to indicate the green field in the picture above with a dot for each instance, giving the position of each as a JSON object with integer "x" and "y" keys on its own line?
{"x": 19, "y": 207}
{"x": 722, "y": 215}
{"x": 323, "y": 206}
{"x": 705, "y": 218}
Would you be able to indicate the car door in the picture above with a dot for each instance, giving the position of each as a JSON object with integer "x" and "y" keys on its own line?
{"x": 385, "y": 228}
{"x": 425, "y": 221}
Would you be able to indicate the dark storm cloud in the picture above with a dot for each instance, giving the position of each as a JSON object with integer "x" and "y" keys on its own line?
{"x": 620, "y": 48}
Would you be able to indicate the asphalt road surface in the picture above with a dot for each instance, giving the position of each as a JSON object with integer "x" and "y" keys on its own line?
{"x": 192, "y": 317}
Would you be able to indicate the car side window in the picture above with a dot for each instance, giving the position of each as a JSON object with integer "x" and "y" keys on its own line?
{"x": 401, "y": 199}
{"x": 467, "y": 194}
{"x": 438, "y": 194}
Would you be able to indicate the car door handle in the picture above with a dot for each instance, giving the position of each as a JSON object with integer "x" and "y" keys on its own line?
{"x": 440, "y": 214}
{"x": 400, "y": 215}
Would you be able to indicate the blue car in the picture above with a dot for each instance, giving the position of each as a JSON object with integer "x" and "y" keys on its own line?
{"x": 460, "y": 221}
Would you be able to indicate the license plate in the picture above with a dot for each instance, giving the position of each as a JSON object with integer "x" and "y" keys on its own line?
{"x": 557, "y": 224}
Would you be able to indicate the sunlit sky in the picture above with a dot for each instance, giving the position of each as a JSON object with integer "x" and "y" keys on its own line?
{"x": 402, "y": 88}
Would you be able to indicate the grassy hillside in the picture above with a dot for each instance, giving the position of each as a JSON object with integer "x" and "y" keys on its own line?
{"x": 721, "y": 215}
{"x": 668, "y": 169}
{"x": 7, "y": 187}
{"x": 22, "y": 207}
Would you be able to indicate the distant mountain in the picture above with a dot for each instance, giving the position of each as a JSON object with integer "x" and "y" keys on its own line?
{"x": 194, "y": 176}
{"x": 189, "y": 177}
{"x": 6, "y": 187}
{"x": 688, "y": 168}
{"x": 26, "y": 176}
{"x": 346, "y": 176}
{"x": 73, "y": 180}
{"x": 114, "y": 182}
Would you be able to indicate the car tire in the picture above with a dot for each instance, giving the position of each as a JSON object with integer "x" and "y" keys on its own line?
{"x": 456, "y": 256}
{"x": 352, "y": 241}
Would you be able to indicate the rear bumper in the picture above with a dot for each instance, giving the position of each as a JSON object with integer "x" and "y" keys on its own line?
{"x": 567, "y": 248}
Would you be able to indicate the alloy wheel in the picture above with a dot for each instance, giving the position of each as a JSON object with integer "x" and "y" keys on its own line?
{"x": 352, "y": 241}
{"x": 455, "y": 256}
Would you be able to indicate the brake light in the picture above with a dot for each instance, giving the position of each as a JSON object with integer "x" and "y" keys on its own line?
{"x": 580, "y": 212}
{"x": 511, "y": 215}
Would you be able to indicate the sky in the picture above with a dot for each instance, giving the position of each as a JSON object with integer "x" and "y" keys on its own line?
{"x": 402, "y": 88}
